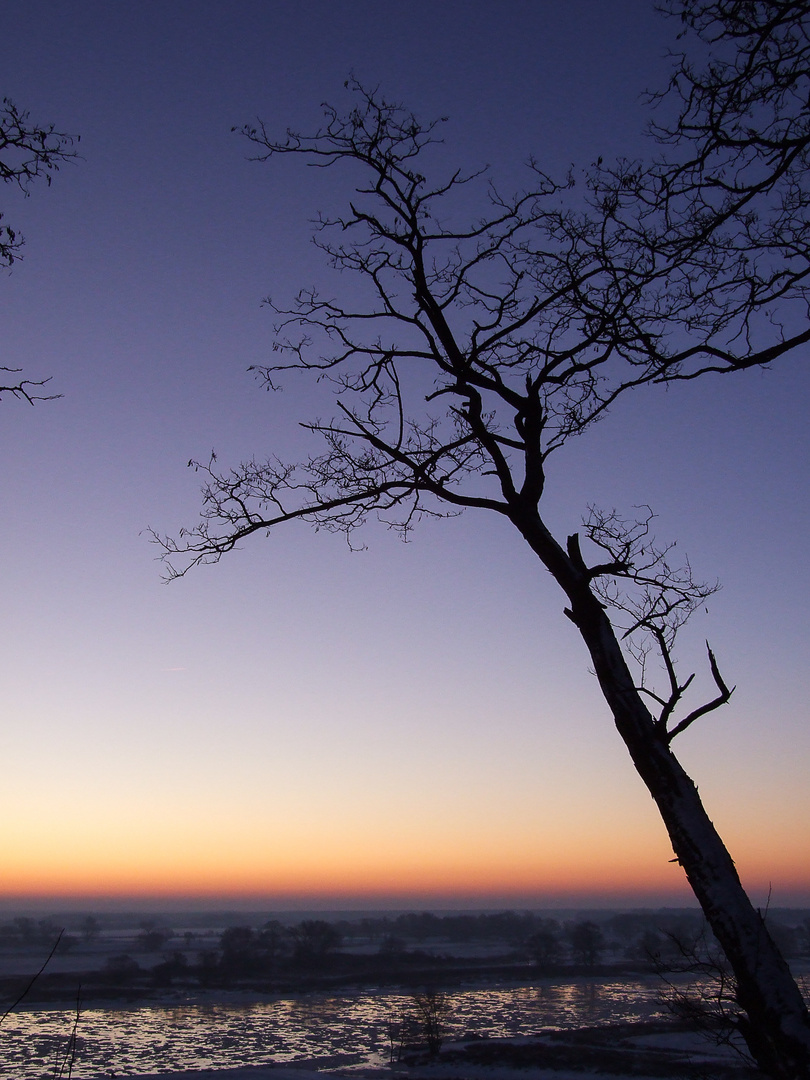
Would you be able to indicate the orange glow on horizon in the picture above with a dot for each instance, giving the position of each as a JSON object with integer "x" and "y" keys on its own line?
{"x": 543, "y": 868}
{"x": 370, "y": 884}
{"x": 374, "y": 856}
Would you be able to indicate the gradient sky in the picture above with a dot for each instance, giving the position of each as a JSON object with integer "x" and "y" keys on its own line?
{"x": 410, "y": 724}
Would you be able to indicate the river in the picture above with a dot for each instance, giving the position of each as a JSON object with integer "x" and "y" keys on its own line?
{"x": 356, "y": 1028}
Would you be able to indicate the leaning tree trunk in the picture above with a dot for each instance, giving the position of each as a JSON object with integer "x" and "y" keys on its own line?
{"x": 775, "y": 1024}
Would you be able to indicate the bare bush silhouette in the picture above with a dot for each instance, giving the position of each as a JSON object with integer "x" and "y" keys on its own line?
{"x": 432, "y": 1009}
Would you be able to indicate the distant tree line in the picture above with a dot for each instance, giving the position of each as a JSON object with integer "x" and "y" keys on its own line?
{"x": 506, "y": 926}
{"x": 23, "y": 932}
{"x": 420, "y": 941}
{"x": 414, "y": 947}
{"x": 243, "y": 952}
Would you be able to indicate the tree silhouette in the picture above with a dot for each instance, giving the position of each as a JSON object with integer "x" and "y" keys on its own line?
{"x": 314, "y": 940}
{"x": 432, "y": 1011}
{"x": 487, "y": 347}
{"x": 28, "y": 151}
{"x": 544, "y": 944}
{"x": 587, "y": 942}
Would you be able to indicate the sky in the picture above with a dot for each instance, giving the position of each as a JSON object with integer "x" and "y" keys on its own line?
{"x": 414, "y": 724}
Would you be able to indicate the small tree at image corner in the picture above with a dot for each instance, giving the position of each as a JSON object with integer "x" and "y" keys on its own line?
{"x": 28, "y": 152}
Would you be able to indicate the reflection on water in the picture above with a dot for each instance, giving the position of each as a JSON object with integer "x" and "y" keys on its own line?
{"x": 120, "y": 1042}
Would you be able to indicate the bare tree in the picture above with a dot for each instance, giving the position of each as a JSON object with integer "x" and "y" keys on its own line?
{"x": 708, "y": 1002}
{"x": 90, "y": 929}
{"x": 432, "y": 1012}
{"x": 587, "y": 942}
{"x": 486, "y": 348}
{"x": 314, "y": 940}
{"x": 28, "y": 151}
{"x": 544, "y": 945}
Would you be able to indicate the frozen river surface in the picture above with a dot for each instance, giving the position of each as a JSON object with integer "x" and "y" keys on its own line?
{"x": 354, "y": 1028}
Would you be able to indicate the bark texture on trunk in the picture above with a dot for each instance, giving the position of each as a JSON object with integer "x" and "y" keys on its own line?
{"x": 776, "y": 1024}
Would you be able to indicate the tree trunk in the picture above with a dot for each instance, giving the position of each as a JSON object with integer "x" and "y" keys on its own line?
{"x": 776, "y": 1024}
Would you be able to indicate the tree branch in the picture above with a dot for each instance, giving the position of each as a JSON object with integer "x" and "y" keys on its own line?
{"x": 710, "y": 706}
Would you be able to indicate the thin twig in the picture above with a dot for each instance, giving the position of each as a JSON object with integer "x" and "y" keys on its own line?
{"x": 24, "y": 994}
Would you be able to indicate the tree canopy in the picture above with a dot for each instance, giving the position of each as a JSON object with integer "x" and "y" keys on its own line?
{"x": 28, "y": 152}
{"x": 486, "y": 347}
